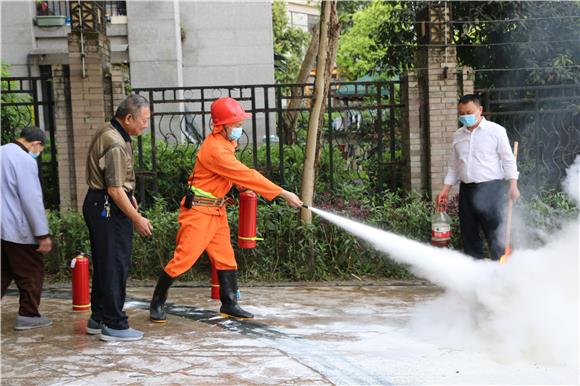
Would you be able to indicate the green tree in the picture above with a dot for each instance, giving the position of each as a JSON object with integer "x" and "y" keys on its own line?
{"x": 372, "y": 45}
{"x": 289, "y": 44}
{"x": 490, "y": 35}
{"x": 530, "y": 35}
{"x": 346, "y": 10}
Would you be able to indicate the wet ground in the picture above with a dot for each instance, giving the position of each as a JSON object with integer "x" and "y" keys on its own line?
{"x": 347, "y": 335}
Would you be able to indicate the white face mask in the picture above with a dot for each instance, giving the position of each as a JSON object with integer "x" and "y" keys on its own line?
{"x": 32, "y": 153}
{"x": 236, "y": 133}
{"x": 468, "y": 119}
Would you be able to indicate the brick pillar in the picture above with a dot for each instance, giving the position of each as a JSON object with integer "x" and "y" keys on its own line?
{"x": 432, "y": 93}
{"x": 64, "y": 137}
{"x": 91, "y": 99}
{"x": 119, "y": 79}
{"x": 411, "y": 139}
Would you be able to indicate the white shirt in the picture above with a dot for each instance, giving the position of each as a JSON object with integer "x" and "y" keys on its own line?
{"x": 483, "y": 154}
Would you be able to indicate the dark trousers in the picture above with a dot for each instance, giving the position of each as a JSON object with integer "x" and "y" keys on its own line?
{"x": 111, "y": 241}
{"x": 481, "y": 206}
{"x": 21, "y": 263}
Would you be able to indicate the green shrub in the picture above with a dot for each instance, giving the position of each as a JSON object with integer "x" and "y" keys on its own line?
{"x": 290, "y": 250}
{"x": 69, "y": 236}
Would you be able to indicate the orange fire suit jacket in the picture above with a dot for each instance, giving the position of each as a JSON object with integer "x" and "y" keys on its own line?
{"x": 203, "y": 228}
{"x": 217, "y": 169}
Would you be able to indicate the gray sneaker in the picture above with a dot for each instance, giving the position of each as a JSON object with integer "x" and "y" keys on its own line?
{"x": 128, "y": 334}
{"x": 94, "y": 327}
{"x": 30, "y": 322}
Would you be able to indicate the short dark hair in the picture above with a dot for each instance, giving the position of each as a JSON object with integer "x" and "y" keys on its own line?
{"x": 470, "y": 98}
{"x": 131, "y": 105}
{"x": 32, "y": 134}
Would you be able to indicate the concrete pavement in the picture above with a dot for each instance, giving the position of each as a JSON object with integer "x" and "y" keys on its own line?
{"x": 302, "y": 335}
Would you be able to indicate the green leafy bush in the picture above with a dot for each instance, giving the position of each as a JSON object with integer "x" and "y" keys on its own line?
{"x": 290, "y": 250}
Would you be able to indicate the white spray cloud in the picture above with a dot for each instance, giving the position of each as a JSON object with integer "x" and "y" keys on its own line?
{"x": 526, "y": 309}
{"x": 571, "y": 183}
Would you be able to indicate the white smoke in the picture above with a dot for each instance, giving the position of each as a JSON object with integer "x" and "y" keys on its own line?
{"x": 526, "y": 309}
{"x": 571, "y": 183}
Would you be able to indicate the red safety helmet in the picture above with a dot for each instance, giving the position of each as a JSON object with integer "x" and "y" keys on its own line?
{"x": 226, "y": 110}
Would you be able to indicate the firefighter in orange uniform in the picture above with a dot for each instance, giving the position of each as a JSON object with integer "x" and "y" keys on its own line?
{"x": 203, "y": 223}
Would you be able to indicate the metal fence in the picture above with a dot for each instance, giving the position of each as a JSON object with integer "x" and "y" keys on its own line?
{"x": 546, "y": 122}
{"x": 360, "y": 141}
{"x": 61, "y": 8}
{"x": 28, "y": 101}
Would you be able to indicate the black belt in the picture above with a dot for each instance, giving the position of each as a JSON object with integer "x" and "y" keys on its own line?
{"x": 104, "y": 191}
{"x": 474, "y": 184}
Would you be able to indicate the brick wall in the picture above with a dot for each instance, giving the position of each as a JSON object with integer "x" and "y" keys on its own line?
{"x": 430, "y": 114}
{"x": 411, "y": 141}
{"x": 87, "y": 98}
{"x": 64, "y": 137}
{"x": 119, "y": 78}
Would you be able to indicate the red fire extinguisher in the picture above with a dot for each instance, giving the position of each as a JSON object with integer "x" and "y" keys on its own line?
{"x": 215, "y": 284}
{"x": 440, "y": 227}
{"x": 81, "y": 300}
{"x": 246, "y": 233}
{"x": 247, "y": 220}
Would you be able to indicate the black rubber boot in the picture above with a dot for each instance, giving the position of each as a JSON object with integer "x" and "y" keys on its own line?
{"x": 156, "y": 308}
{"x": 228, "y": 287}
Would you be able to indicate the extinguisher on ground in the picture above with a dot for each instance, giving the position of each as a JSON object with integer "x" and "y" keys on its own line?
{"x": 440, "y": 227}
{"x": 81, "y": 300}
{"x": 215, "y": 284}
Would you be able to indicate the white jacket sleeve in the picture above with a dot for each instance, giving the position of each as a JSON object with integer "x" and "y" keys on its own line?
{"x": 452, "y": 176}
{"x": 30, "y": 194}
{"x": 506, "y": 155}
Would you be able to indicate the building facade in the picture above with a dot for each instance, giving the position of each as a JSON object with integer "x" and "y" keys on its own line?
{"x": 164, "y": 43}
{"x": 138, "y": 44}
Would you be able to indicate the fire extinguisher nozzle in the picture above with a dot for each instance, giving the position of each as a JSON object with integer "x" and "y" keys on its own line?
{"x": 305, "y": 206}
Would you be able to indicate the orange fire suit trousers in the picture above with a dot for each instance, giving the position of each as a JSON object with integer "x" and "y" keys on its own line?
{"x": 198, "y": 232}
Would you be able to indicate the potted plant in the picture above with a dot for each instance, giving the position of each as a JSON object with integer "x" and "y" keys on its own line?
{"x": 44, "y": 17}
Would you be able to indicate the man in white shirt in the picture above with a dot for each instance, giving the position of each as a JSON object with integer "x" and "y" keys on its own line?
{"x": 481, "y": 159}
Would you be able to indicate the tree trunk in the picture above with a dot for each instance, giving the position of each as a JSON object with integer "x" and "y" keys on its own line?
{"x": 333, "y": 34}
{"x": 325, "y": 60}
{"x": 290, "y": 116}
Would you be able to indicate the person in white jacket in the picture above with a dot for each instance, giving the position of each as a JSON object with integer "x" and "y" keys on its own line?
{"x": 25, "y": 235}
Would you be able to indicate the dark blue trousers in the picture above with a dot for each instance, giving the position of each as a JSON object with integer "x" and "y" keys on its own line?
{"x": 481, "y": 207}
{"x": 111, "y": 242}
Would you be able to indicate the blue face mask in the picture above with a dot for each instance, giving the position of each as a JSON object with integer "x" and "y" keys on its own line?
{"x": 34, "y": 155}
{"x": 236, "y": 133}
{"x": 468, "y": 120}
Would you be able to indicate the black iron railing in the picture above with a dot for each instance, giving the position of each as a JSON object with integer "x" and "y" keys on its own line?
{"x": 52, "y": 8}
{"x": 62, "y": 8}
{"x": 360, "y": 137}
{"x": 115, "y": 8}
{"x": 546, "y": 122}
{"x": 28, "y": 101}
